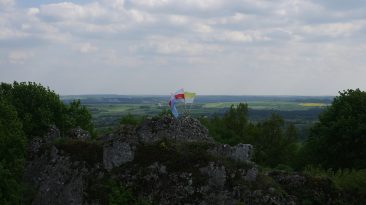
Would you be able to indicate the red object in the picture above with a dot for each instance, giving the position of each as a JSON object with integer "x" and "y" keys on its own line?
{"x": 179, "y": 96}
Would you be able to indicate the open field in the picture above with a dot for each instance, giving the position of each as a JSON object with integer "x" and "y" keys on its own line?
{"x": 108, "y": 109}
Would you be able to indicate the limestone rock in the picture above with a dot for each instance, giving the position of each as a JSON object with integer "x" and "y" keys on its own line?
{"x": 189, "y": 169}
{"x": 185, "y": 129}
{"x": 79, "y": 134}
{"x": 251, "y": 174}
{"x": 240, "y": 152}
{"x": 119, "y": 147}
{"x": 56, "y": 180}
{"x": 117, "y": 153}
{"x": 216, "y": 174}
{"x": 52, "y": 134}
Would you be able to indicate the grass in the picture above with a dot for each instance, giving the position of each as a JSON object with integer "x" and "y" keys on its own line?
{"x": 347, "y": 179}
{"x": 313, "y": 104}
{"x": 106, "y": 115}
{"x": 198, "y": 108}
{"x": 88, "y": 151}
{"x": 267, "y": 105}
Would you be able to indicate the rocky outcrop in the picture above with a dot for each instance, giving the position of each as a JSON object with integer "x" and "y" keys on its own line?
{"x": 79, "y": 134}
{"x": 163, "y": 161}
{"x": 184, "y": 129}
{"x": 55, "y": 177}
{"x": 119, "y": 147}
{"x": 240, "y": 152}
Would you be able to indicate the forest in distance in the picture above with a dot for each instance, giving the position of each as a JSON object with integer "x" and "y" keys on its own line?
{"x": 107, "y": 110}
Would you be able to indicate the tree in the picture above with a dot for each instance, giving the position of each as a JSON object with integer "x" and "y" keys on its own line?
{"x": 232, "y": 127}
{"x": 130, "y": 119}
{"x": 37, "y": 107}
{"x": 338, "y": 140}
{"x": 75, "y": 115}
{"x": 236, "y": 120}
{"x": 274, "y": 142}
{"x": 12, "y": 152}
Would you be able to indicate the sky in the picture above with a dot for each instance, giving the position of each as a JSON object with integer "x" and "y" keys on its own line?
{"x": 231, "y": 47}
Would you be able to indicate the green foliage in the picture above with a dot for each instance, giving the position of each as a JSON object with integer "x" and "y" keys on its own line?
{"x": 109, "y": 192}
{"x": 274, "y": 141}
{"x": 75, "y": 115}
{"x": 232, "y": 127}
{"x": 236, "y": 120}
{"x": 130, "y": 119}
{"x": 339, "y": 139}
{"x": 165, "y": 112}
{"x": 12, "y": 150}
{"x": 28, "y": 110}
{"x": 120, "y": 195}
{"x": 89, "y": 151}
{"x": 347, "y": 179}
{"x": 175, "y": 156}
{"x": 39, "y": 107}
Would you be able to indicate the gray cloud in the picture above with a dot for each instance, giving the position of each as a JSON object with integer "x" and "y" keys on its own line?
{"x": 210, "y": 46}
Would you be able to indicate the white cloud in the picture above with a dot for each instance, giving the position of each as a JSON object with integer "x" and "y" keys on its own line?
{"x": 237, "y": 36}
{"x": 33, "y": 11}
{"x": 246, "y": 41}
{"x": 87, "y": 48}
{"x": 9, "y": 33}
{"x": 71, "y": 11}
{"x": 19, "y": 57}
{"x": 176, "y": 46}
{"x": 7, "y": 3}
{"x": 240, "y": 36}
{"x": 151, "y": 3}
{"x": 202, "y": 28}
{"x": 178, "y": 19}
{"x": 334, "y": 29}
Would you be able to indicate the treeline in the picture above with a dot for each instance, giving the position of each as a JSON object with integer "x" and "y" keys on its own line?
{"x": 335, "y": 147}
{"x": 275, "y": 142}
{"x": 27, "y": 110}
{"x": 336, "y": 141}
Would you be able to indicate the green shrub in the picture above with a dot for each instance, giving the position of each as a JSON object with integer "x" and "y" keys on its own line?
{"x": 347, "y": 179}
{"x": 88, "y": 151}
{"x": 275, "y": 142}
{"x": 130, "y": 119}
{"x": 12, "y": 154}
{"x": 110, "y": 192}
{"x": 175, "y": 156}
{"x": 38, "y": 107}
{"x": 76, "y": 115}
{"x": 338, "y": 140}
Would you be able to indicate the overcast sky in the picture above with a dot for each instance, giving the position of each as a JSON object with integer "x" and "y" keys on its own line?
{"x": 241, "y": 47}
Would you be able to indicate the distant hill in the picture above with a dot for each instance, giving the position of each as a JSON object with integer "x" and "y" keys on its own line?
{"x": 112, "y": 99}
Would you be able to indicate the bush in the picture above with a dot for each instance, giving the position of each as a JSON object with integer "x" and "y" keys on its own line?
{"x": 88, "y": 151}
{"x": 338, "y": 140}
{"x": 27, "y": 110}
{"x": 75, "y": 115}
{"x": 12, "y": 151}
{"x": 274, "y": 141}
{"x": 347, "y": 179}
{"x": 107, "y": 191}
{"x": 130, "y": 119}
{"x": 39, "y": 107}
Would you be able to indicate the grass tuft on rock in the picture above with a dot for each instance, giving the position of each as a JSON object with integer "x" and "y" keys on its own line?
{"x": 88, "y": 151}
